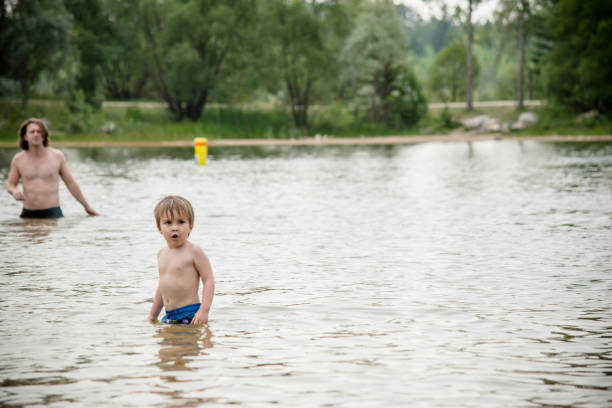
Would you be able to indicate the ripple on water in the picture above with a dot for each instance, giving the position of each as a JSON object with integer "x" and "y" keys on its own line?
{"x": 441, "y": 275}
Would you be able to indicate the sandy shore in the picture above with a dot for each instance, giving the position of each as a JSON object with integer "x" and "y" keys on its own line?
{"x": 331, "y": 141}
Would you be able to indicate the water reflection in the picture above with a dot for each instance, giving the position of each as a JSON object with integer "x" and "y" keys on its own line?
{"x": 32, "y": 230}
{"x": 179, "y": 344}
{"x": 180, "y": 348}
{"x": 131, "y": 154}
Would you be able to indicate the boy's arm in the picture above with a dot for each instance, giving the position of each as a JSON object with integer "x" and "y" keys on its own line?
{"x": 203, "y": 267}
{"x": 157, "y": 305}
{"x": 73, "y": 186}
{"x": 13, "y": 181}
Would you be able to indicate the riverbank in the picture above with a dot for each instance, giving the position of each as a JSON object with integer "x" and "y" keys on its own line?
{"x": 149, "y": 124}
{"x": 331, "y": 141}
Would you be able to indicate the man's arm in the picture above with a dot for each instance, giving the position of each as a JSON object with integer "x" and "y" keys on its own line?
{"x": 72, "y": 185}
{"x": 204, "y": 269}
{"x": 13, "y": 181}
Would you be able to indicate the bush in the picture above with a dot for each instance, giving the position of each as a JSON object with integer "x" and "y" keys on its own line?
{"x": 405, "y": 105}
{"x": 446, "y": 118}
{"x": 577, "y": 69}
{"x": 80, "y": 118}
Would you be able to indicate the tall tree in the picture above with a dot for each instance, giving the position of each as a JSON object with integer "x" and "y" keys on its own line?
{"x": 447, "y": 73}
{"x": 523, "y": 9}
{"x": 375, "y": 60}
{"x": 540, "y": 44}
{"x": 32, "y": 35}
{"x": 469, "y": 30}
{"x": 442, "y": 34}
{"x": 124, "y": 67}
{"x": 106, "y": 53}
{"x": 296, "y": 52}
{"x": 577, "y": 68}
{"x": 91, "y": 36}
{"x": 192, "y": 45}
{"x": 468, "y": 57}
{"x": 517, "y": 11}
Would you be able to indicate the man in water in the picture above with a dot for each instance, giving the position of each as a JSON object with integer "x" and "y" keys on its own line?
{"x": 39, "y": 167}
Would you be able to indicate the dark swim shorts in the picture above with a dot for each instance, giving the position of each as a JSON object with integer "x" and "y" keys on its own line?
{"x": 54, "y": 212}
{"x": 182, "y": 315}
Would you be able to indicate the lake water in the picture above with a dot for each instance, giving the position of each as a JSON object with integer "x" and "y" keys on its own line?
{"x": 427, "y": 275}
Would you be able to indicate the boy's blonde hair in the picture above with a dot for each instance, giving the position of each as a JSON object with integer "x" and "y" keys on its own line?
{"x": 171, "y": 206}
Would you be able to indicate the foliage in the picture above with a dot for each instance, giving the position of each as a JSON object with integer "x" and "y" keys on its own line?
{"x": 447, "y": 74}
{"x": 32, "y": 35}
{"x": 405, "y": 105}
{"x": 447, "y": 118}
{"x": 220, "y": 122}
{"x": 89, "y": 36}
{"x": 124, "y": 67}
{"x": 104, "y": 57}
{"x": 364, "y": 58}
{"x": 374, "y": 59}
{"x": 497, "y": 54}
{"x": 578, "y": 68}
{"x": 191, "y": 45}
{"x": 436, "y": 33}
{"x": 80, "y": 116}
{"x": 564, "y": 120}
{"x": 540, "y": 44}
{"x": 469, "y": 77}
{"x": 296, "y": 52}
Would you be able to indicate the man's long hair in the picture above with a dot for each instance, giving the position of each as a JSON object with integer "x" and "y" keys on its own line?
{"x": 24, "y": 127}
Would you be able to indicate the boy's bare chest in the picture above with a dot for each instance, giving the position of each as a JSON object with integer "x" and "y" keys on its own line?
{"x": 176, "y": 266}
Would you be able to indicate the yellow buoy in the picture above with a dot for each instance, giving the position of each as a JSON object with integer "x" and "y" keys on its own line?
{"x": 201, "y": 150}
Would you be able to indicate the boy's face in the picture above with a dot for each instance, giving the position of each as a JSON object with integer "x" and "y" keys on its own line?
{"x": 175, "y": 228}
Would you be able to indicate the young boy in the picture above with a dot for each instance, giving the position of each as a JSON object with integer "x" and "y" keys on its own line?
{"x": 181, "y": 265}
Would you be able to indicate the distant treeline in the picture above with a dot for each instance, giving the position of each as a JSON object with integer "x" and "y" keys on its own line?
{"x": 381, "y": 60}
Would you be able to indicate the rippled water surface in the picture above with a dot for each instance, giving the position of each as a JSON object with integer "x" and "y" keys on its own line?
{"x": 429, "y": 275}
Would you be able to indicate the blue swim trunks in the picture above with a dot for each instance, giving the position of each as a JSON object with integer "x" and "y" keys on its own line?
{"x": 182, "y": 315}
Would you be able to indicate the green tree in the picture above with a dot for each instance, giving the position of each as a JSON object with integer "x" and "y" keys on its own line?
{"x": 192, "y": 45}
{"x": 519, "y": 10}
{"x": 469, "y": 77}
{"x": 406, "y": 104}
{"x": 107, "y": 52}
{"x": 300, "y": 39}
{"x": 577, "y": 68}
{"x": 538, "y": 47}
{"x": 469, "y": 30}
{"x": 124, "y": 67}
{"x": 374, "y": 59}
{"x": 33, "y": 34}
{"x": 90, "y": 37}
{"x": 448, "y": 72}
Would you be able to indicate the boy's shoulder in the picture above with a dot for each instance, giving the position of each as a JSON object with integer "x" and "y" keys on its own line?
{"x": 196, "y": 251}
{"x": 194, "y": 247}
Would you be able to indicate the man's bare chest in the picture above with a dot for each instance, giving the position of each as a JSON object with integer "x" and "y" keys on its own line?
{"x": 36, "y": 169}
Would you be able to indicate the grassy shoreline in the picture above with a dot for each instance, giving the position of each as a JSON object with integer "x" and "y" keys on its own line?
{"x": 330, "y": 141}
{"x": 131, "y": 124}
